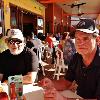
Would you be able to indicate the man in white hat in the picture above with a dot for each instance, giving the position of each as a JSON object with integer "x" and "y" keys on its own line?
{"x": 17, "y": 59}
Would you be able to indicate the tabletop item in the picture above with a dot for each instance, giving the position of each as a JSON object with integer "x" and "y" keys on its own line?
{"x": 4, "y": 96}
{"x": 15, "y": 87}
{"x": 4, "y": 86}
{"x": 33, "y": 92}
{"x": 12, "y": 88}
{"x": 4, "y": 91}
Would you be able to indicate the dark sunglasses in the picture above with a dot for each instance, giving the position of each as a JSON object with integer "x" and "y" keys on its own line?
{"x": 13, "y": 41}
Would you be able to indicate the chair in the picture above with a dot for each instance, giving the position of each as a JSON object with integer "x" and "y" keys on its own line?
{"x": 48, "y": 51}
{"x": 59, "y": 64}
{"x": 39, "y": 53}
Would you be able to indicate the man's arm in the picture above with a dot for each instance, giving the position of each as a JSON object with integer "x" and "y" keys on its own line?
{"x": 30, "y": 77}
{"x": 59, "y": 85}
{"x": 53, "y": 94}
{"x": 62, "y": 84}
{"x": 32, "y": 73}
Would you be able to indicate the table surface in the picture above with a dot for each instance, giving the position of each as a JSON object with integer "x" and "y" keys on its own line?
{"x": 34, "y": 92}
{"x": 69, "y": 94}
{"x": 37, "y": 93}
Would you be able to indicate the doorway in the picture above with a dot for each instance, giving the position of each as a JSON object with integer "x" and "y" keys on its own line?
{"x": 23, "y": 19}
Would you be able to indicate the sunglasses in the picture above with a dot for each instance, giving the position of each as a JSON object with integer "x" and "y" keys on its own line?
{"x": 14, "y": 41}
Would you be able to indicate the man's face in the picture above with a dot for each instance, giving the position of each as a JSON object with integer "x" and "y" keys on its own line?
{"x": 15, "y": 46}
{"x": 84, "y": 42}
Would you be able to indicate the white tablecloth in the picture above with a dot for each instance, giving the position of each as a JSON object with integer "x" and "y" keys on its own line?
{"x": 30, "y": 92}
{"x": 70, "y": 94}
{"x": 33, "y": 92}
{"x": 36, "y": 93}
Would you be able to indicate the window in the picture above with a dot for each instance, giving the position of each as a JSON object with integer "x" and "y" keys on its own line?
{"x": 40, "y": 25}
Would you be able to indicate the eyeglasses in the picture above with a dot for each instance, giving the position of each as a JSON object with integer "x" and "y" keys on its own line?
{"x": 14, "y": 41}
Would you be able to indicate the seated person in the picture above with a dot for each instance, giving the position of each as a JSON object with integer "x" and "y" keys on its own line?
{"x": 68, "y": 49}
{"x": 84, "y": 68}
{"x": 17, "y": 59}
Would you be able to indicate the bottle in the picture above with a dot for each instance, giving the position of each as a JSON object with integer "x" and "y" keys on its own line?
{"x": 13, "y": 95}
{"x": 20, "y": 93}
{"x": 4, "y": 96}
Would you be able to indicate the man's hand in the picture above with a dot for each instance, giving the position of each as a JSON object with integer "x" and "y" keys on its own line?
{"x": 29, "y": 78}
{"x": 50, "y": 94}
{"x": 73, "y": 87}
{"x": 53, "y": 94}
{"x": 46, "y": 83}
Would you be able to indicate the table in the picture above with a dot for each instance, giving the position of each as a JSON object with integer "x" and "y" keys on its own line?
{"x": 70, "y": 94}
{"x": 36, "y": 93}
{"x": 33, "y": 92}
{"x": 30, "y": 92}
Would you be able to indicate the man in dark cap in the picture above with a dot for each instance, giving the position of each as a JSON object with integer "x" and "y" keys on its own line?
{"x": 84, "y": 68}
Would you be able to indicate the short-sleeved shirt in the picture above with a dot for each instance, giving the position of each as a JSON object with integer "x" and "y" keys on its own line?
{"x": 22, "y": 63}
{"x": 50, "y": 42}
{"x": 87, "y": 78}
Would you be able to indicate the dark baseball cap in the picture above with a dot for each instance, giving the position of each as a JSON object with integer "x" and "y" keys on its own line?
{"x": 87, "y": 26}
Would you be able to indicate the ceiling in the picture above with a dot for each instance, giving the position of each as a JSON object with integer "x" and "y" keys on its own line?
{"x": 90, "y": 9}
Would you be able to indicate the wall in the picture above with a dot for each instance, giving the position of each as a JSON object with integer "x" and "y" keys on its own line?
{"x": 49, "y": 18}
{"x": 57, "y": 14}
{"x": 61, "y": 21}
{"x": 28, "y": 19}
{"x": 30, "y": 5}
{"x": 55, "y": 20}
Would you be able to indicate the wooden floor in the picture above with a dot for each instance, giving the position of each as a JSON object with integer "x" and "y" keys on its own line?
{"x": 49, "y": 70}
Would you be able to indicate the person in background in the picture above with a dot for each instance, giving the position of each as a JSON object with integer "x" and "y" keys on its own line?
{"x": 3, "y": 45}
{"x": 17, "y": 59}
{"x": 35, "y": 44}
{"x": 68, "y": 48}
{"x": 57, "y": 36}
{"x": 50, "y": 41}
{"x": 84, "y": 68}
{"x": 62, "y": 41}
{"x": 29, "y": 41}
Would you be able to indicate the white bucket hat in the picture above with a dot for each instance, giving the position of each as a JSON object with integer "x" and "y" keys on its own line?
{"x": 15, "y": 33}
